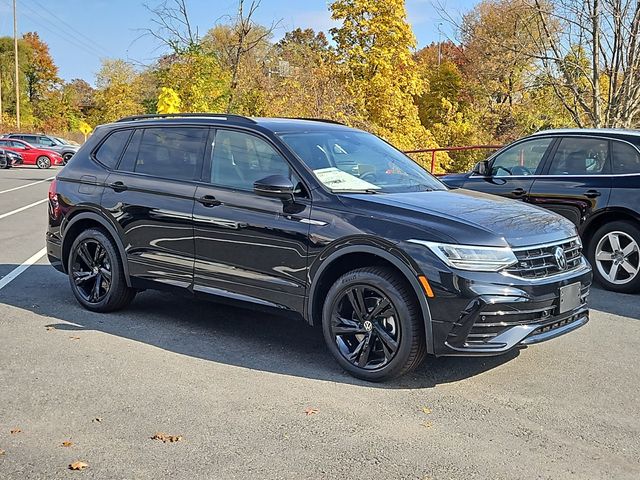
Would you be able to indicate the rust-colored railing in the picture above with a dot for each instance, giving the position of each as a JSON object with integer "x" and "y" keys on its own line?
{"x": 433, "y": 151}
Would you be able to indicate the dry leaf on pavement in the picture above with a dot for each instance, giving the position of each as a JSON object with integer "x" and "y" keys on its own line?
{"x": 49, "y": 328}
{"x": 163, "y": 437}
{"x": 74, "y": 338}
{"x": 2, "y": 452}
{"x": 78, "y": 465}
{"x": 426, "y": 410}
{"x": 15, "y": 430}
{"x": 67, "y": 444}
{"x": 427, "y": 424}
{"x": 97, "y": 419}
{"x": 311, "y": 411}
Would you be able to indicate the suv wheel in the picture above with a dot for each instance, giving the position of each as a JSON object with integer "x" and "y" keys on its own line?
{"x": 96, "y": 273}
{"x": 614, "y": 254}
{"x": 372, "y": 325}
{"x": 43, "y": 162}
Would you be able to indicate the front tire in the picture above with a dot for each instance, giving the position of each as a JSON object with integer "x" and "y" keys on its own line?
{"x": 372, "y": 324}
{"x": 4, "y": 163}
{"x": 614, "y": 253}
{"x": 96, "y": 273}
{"x": 43, "y": 162}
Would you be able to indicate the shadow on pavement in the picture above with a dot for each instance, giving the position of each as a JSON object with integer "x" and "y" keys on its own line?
{"x": 625, "y": 305}
{"x": 219, "y": 333}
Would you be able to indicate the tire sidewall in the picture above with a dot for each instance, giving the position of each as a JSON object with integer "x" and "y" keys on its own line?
{"x": 46, "y": 160}
{"x": 407, "y": 332}
{"x": 622, "y": 226}
{"x": 117, "y": 277}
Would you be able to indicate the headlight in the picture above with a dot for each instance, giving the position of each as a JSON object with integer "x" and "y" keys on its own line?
{"x": 470, "y": 257}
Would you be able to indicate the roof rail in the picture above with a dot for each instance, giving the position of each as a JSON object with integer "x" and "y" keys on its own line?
{"x": 319, "y": 120}
{"x": 221, "y": 116}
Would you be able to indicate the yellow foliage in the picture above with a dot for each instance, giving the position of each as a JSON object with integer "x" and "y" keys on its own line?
{"x": 168, "y": 101}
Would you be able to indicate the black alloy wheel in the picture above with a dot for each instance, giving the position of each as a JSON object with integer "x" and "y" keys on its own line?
{"x": 66, "y": 157}
{"x": 372, "y": 324}
{"x": 96, "y": 273}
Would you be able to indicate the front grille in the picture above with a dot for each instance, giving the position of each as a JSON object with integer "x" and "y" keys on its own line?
{"x": 540, "y": 261}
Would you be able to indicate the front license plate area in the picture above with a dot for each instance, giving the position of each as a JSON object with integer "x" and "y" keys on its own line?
{"x": 569, "y": 297}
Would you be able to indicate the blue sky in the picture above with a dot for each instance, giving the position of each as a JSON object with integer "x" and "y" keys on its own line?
{"x": 81, "y": 32}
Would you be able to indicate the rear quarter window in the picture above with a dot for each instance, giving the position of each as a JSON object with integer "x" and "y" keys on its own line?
{"x": 110, "y": 151}
{"x": 626, "y": 158}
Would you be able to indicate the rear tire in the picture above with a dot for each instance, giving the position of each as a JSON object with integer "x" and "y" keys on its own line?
{"x": 66, "y": 157}
{"x": 372, "y": 324}
{"x": 4, "y": 164}
{"x": 96, "y": 273}
{"x": 615, "y": 257}
{"x": 43, "y": 162}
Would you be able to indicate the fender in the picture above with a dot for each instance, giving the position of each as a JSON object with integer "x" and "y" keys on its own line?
{"x": 409, "y": 274}
{"x": 97, "y": 217}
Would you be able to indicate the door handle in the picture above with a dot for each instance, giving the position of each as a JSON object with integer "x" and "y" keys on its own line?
{"x": 118, "y": 186}
{"x": 518, "y": 192}
{"x": 592, "y": 193}
{"x": 209, "y": 201}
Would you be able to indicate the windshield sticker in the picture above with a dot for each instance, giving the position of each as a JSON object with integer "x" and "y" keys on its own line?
{"x": 337, "y": 179}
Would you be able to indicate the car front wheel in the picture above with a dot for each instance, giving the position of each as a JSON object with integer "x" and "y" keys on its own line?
{"x": 96, "y": 273}
{"x": 43, "y": 162}
{"x": 614, "y": 253}
{"x": 4, "y": 163}
{"x": 372, "y": 325}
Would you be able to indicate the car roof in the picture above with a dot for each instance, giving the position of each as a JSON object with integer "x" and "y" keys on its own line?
{"x": 598, "y": 132}
{"x": 274, "y": 125}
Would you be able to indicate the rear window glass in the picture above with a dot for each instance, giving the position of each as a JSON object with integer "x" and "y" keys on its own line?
{"x": 625, "y": 158}
{"x": 110, "y": 151}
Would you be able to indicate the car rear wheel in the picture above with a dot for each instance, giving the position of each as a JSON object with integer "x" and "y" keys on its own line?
{"x": 66, "y": 157}
{"x": 614, "y": 253}
{"x": 96, "y": 273}
{"x": 372, "y": 325}
{"x": 4, "y": 163}
{"x": 43, "y": 162}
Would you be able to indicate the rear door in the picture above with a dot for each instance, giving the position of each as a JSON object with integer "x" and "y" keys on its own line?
{"x": 151, "y": 195}
{"x": 576, "y": 180}
{"x": 248, "y": 246}
{"x": 512, "y": 170}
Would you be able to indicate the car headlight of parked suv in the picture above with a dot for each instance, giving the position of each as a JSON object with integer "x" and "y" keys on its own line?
{"x": 472, "y": 257}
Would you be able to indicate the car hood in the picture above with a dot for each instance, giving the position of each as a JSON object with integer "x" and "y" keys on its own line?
{"x": 469, "y": 217}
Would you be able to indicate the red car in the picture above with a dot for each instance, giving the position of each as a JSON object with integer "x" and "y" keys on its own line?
{"x": 40, "y": 157}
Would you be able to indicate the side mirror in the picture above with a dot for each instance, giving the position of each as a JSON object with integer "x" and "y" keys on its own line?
{"x": 481, "y": 168}
{"x": 275, "y": 186}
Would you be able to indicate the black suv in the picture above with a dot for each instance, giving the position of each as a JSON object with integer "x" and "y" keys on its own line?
{"x": 592, "y": 177}
{"x": 320, "y": 220}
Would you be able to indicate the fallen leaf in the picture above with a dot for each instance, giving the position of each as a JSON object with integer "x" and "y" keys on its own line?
{"x": 427, "y": 424}
{"x": 2, "y": 452}
{"x": 426, "y": 410}
{"x": 49, "y": 328}
{"x": 74, "y": 338}
{"x": 15, "y": 430}
{"x": 97, "y": 419}
{"x": 78, "y": 465}
{"x": 67, "y": 444}
{"x": 311, "y": 411}
{"x": 163, "y": 437}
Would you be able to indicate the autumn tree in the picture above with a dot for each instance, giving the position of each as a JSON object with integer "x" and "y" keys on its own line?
{"x": 118, "y": 90}
{"x": 40, "y": 71}
{"x": 376, "y": 43}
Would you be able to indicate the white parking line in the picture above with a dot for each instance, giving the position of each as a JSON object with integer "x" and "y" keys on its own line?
{"x": 22, "y": 209}
{"x": 4, "y": 281}
{"x": 27, "y": 185}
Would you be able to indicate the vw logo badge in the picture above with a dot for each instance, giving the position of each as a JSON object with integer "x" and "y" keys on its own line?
{"x": 561, "y": 258}
{"x": 368, "y": 326}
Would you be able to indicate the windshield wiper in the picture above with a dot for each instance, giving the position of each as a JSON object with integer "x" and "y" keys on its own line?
{"x": 366, "y": 190}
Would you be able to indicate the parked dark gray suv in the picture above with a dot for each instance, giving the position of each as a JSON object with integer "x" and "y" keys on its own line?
{"x": 321, "y": 221}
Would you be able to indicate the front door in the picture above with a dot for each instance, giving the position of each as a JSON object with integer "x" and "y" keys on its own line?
{"x": 576, "y": 180}
{"x": 511, "y": 171}
{"x": 249, "y": 247}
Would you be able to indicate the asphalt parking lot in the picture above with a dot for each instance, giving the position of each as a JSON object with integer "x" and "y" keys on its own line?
{"x": 257, "y": 396}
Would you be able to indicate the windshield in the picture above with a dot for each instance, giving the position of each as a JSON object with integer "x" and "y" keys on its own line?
{"x": 354, "y": 161}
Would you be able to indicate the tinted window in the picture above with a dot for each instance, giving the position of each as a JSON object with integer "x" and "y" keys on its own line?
{"x": 131, "y": 153}
{"x": 521, "y": 159}
{"x": 580, "y": 156}
{"x": 5, "y": 143}
{"x": 109, "y": 152}
{"x": 625, "y": 158}
{"x": 18, "y": 145}
{"x": 46, "y": 141}
{"x": 28, "y": 138}
{"x": 169, "y": 152}
{"x": 239, "y": 159}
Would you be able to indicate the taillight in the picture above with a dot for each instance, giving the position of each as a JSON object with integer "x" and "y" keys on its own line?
{"x": 53, "y": 199}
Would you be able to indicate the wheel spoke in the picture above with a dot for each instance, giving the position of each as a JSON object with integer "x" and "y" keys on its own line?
{"x": 83, "y": 253}
{"x": 95, "y": 291}
{"x": 366, "y": 350}
{"x": 613, "y": 273}
{"x": 383, "y": 305}
{"x": 80, "y": 277}
{"x": 614, "y": 240}
{"x": 629, "y": 249}
{"x": 604, "y": 256}
{"x": 106, "y": 274}
{"x": 98, "y": 254}
{"x": 629, "y": 268}
{"x": 344, "y": 326}
{"x": 356, "y": 298}
{"x": 389, "y": 345}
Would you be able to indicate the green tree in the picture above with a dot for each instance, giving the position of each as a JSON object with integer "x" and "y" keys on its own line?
{"x": 118, "y": 92}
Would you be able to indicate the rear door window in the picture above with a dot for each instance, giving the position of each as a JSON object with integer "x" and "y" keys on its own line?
{"x": 581, "y": 156}
{"x": 168, "y": 152}
{"x": 625, "y": 158}
{"x": 111, "y": 149}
